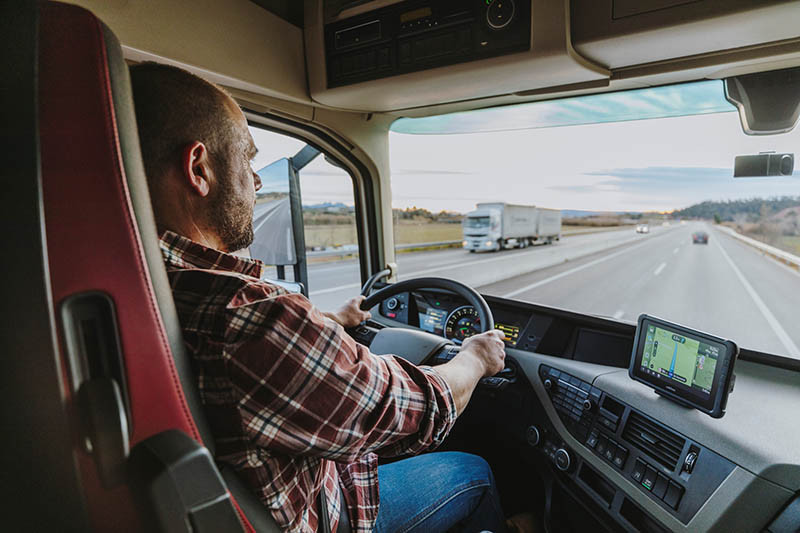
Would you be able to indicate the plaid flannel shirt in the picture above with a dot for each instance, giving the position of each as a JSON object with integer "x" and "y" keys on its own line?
{"x": 294, "y": 403}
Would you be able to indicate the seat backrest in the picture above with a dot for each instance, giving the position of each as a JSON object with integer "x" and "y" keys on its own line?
{"x": 109, "y": 285}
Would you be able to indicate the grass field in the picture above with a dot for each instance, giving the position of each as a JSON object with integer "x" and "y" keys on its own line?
{"x": 324, "y": 236}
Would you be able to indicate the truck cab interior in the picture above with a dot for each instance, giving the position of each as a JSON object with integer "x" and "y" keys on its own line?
{"x": 398, "y": 100}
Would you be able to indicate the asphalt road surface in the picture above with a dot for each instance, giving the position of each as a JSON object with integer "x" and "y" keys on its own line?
{"x": 725, "y": 287}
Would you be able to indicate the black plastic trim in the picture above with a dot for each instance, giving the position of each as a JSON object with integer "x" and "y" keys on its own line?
{"x": 177, "y": 486}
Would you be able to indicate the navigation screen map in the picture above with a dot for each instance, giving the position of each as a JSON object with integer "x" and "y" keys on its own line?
{"x": 684, "y": 360}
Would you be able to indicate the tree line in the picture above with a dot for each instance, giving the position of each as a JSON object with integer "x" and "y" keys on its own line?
{"x": 754, "y": 209}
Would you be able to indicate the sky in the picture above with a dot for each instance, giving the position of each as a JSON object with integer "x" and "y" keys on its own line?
{"x": 566, "y": 154}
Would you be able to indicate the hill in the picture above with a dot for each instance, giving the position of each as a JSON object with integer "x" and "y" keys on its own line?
{"x": 740, "y": 211}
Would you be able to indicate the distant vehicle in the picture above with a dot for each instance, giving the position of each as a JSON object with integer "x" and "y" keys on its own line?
{"x": 642, "y": 228}
{"x": 700, "y": 237}
{"x": 496, "y": 226}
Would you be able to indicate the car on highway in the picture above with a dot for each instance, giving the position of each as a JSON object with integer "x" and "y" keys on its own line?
{"x": 379, "y": 124}
{"x": 700, "y": 237}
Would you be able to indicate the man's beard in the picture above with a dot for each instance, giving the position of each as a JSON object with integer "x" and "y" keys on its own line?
{"x": 232, "y": 218}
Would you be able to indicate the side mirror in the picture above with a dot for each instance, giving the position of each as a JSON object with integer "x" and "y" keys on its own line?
{"x": 278, "y": 219}
{"x": 274, "y": 242}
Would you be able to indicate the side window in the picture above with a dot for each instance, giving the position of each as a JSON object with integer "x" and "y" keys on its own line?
{"x": 329, "y": 237}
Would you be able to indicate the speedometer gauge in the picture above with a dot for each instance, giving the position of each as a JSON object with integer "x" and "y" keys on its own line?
{"x": 463, "y": 322}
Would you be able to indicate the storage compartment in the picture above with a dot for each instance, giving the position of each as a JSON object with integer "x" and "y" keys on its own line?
{"x": 592, "y": 479}
{"x": 638, "y": 518}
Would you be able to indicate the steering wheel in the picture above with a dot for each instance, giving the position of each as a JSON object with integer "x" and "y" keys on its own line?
{"x": 412, "y": 344}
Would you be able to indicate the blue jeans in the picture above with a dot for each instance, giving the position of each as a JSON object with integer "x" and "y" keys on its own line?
{"x": 438, "y": 492}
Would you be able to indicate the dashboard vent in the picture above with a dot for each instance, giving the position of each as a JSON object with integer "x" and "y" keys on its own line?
{"x": 658, "y": 442}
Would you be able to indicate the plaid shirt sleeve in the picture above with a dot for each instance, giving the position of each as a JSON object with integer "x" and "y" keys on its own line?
{"x": 308, "y": 389}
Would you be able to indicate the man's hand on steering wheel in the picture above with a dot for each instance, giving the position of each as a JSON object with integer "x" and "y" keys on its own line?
{"x": 488, "y": 349}
{"x": 350, "y": 314}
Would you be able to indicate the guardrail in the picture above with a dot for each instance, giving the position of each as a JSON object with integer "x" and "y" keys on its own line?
{"x": 354, "y": 252}
{"x": 781, "y": 255}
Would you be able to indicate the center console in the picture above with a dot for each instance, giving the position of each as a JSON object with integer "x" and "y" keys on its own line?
{"x": 674, "y": 471}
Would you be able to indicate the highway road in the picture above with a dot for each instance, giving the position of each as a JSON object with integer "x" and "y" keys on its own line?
{"x": 331, "y": 283}
{"x": 725, "y": 287}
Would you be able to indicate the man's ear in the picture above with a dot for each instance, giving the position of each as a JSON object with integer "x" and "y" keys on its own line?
{"x": 196, "y": 166}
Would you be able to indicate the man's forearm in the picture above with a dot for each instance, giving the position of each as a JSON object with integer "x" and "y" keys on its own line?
{"x": 462, "y": 374}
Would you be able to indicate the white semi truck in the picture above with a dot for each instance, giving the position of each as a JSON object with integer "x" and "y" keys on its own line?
{"x": 496, "y": 226}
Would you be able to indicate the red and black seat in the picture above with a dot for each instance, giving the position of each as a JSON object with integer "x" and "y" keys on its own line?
{"x": 137, "y": 427}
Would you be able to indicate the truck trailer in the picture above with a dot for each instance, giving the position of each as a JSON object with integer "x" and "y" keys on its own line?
{"x": 498, "y": 225}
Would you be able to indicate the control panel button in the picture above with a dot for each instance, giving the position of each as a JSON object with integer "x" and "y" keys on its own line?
{"x": 649, "y": 478}
{"x": 689, "y": 462}
{"x": 594, "y": 394}
{"x": 610, "y": 451}
{"x": 638, "y": 471}
{"x": 602, "y": 444}
{"x": 563, "y": 460}
{"x": 673, "y": 495}
{"x": 532, "y": 435}
{"x": 608, "y": 424}
{"x": 591, "y": 442}
{"x": 660, "y": 488}
{"x": 620, "y": 457}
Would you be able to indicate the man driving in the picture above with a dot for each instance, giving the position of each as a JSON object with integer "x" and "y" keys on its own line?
{"x": 296, "y": 406}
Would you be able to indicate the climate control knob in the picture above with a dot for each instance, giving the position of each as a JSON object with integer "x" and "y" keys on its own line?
{"x": 392, "y": 303}
{"x": 532, "y": 435}
{"x": 563, "y": 460}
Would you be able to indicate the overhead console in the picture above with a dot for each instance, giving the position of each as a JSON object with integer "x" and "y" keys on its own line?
{"x": 422, "y": 34}
{"x": 385, "y": 55}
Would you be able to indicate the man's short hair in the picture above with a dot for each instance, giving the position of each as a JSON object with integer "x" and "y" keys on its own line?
{"x": 175, "y": 108}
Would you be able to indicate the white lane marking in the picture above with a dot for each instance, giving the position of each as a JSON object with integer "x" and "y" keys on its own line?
{"x": 462, "y": 263}
{"x": 619, "y": 314}
{"x": 787, "y": 341}
{"x": 571, "y": 271}
{"x": 675, "y": 251}
{"x": 661, "y": 267}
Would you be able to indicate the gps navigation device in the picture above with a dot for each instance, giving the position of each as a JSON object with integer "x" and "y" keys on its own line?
{"x": 687, "y": 366}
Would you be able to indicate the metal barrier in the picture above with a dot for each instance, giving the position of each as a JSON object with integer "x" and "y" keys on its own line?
{"x": 790, "y": 259}
{"x": 354, "y": 252}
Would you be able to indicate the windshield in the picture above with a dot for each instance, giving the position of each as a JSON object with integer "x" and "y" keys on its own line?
{"x": 476, "y": 222}
{"x": 651, "y": 218}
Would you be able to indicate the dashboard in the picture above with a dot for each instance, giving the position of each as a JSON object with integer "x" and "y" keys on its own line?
{"x": 448, "y": 316}
{"x": 634, "y": 460}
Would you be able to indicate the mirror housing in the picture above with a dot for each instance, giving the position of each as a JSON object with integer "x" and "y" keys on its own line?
{"x": 768, "y": 102}
{"x": 763, "y": 164}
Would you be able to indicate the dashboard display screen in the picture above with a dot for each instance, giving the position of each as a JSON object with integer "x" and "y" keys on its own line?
{"x": 685, "y": 365}
{"x": 683, "y": 359}
{"x": 432, "y": 320}
{"x": 511, "y": 333}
